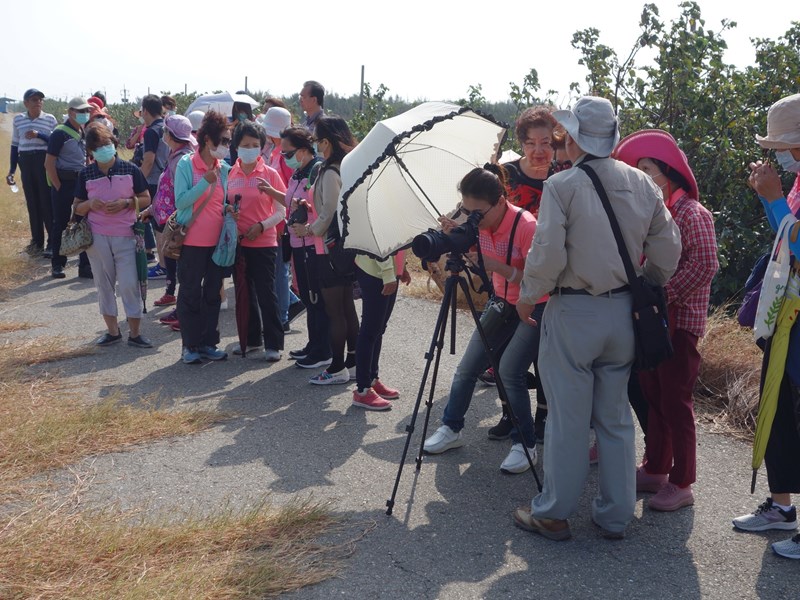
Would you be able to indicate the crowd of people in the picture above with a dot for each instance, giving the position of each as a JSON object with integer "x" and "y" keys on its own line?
{"x": 562, "y": 297}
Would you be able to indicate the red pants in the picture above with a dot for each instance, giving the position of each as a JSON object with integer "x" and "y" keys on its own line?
{"x": 671, "y": 443}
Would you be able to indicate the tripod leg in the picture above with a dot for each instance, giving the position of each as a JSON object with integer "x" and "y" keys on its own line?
{"x": 501, "y": 389}
{"x": 432, "y": 356}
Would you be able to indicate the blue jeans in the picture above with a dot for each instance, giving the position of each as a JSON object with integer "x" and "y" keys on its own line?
{"x": 282, "y": 290}
{"x": 518, "y": 345}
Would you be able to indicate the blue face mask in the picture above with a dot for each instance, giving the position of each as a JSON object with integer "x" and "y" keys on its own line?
{"x": 249, "y": 155}
{"x": 292, "y": 163}
{"x": 104, "y": 154}
{"x": 82, "y": 118}
{"x": 242, "y": 117}
{"x": 787, "y": 161}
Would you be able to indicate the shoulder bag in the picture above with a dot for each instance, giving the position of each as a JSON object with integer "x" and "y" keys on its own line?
{"x": 499, "y": 312}
{"x": 650, "y": 328}
{"x": 77, "y": 237}
{"x": 175, "y": 233}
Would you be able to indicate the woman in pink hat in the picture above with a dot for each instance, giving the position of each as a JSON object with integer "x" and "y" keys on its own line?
{"x": 669, "y": 465}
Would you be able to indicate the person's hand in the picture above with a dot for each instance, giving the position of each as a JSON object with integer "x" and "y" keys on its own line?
{"x": 297, "y": 202}
{"x": 448, "y": 224}
{"x": 405, "y": 277}
{"x": 524, "y": 311}
{"x": 766, "y": 181}
{"x": 10, "y": 179}
{"x": 490, "y": 264}
{"x": 97, "y": 205}
{"x": 116, "y": 206}
{"x": 31, "y": 134}
{"x": 264, "y": 186}
{"x": 389, "y": 288}
{"x": 254, "y": 231}
{"x": 753, "y": 166}
{"x": 300, "y": 229}
{"x": 210, "y": 175}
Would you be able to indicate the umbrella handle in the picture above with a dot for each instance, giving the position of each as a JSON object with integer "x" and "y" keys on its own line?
{"x": 753, "y": 481}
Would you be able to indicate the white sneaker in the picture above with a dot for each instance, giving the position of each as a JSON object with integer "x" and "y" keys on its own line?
{"x": 352, "y": 372}
{"x": 516, "y": 461}
{"x": 224, "y": 304}
{"x": 444, "y": 439}
{"x": 237, "y": 349}
{"x": 272, "y": 355}
{"x": 326, "y": 378}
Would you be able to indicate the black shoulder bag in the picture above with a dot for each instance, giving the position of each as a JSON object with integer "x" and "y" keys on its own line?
{"x": 653, "y": 344}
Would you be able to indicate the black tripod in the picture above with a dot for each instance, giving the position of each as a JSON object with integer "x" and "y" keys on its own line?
{"x": 455, "y": 265}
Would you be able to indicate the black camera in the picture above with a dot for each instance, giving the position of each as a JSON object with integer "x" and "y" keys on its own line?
{"x": 429, "y": 246}
{"x": 299, "y": 216}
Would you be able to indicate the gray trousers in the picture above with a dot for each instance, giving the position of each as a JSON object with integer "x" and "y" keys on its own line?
{"x": 585, "y": 356}
{"x": 113, "y": 260}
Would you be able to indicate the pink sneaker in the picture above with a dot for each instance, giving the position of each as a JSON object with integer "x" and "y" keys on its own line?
{"x": 370, "y": 400}
{"x": 671, "y": 497}
{"x": 383, "y": 391}
{"x": 645, "y": 482}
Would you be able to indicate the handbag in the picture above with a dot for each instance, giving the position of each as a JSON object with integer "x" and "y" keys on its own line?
{"x": 224, "y": 253}
{"x": 776, "y": 277}
{"x": 164, "y": 200}
{"x": 175, "y": 233}
{"x": 746, "y": 315}
{"x": 77, "y": 237}
{"x": 650, "y": 327}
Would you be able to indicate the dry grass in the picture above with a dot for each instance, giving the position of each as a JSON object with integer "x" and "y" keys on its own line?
{"x": 12, "y": 326}
{"x": 44, "y": 424}
{"x": 53, "y": 551}
{"x": 727, "y": 388}
{"x": 429, "y": 285}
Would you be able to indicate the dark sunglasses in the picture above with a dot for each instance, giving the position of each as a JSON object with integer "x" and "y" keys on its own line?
{"x": 288, "y": 154}
{"x": 225, "y": 141}
{"x": 467, "y": 212}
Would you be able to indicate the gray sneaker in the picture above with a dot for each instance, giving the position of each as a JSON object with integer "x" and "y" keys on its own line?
{"x": 444, "y": 439}
{"x": 767, "y": 516}
{"x": 788, "y": 548}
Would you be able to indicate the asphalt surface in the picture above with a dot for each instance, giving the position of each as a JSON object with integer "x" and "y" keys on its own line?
{"x": 451, "y": 534}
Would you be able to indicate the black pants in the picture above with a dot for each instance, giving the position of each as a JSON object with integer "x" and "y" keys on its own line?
{"x": 264, "y": 318}
{"x": 783, "y": 449}
{"x": 308, "y": 288}
{"x": 376, "y": 309}
{"x": 62, "y": 209}
{"x": 198, "y": 297}
{"x": 37, "y": 195}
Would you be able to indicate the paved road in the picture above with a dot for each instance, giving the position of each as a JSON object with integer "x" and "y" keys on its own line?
{"x": 451, "y": 534}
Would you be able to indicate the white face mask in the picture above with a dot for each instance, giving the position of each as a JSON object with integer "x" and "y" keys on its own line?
{"x": 219, "y": 152}
{"x": 249, "y": 155}
{"x": 787, "y": 161}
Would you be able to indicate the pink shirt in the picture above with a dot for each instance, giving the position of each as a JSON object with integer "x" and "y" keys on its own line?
{"x": 494, "y": 244}
{"x": 254, "y": 206}
{"x": 205, "y": 231}
{"x": 278, "y": 163}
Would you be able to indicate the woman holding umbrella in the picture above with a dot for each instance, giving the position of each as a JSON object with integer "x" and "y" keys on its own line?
{"x": 259, "y": 191}
{"x": 336, "y": 266}
{"x": 297, "y": 148}
{"x": 778, "y": 418}
{"x": 107, "y": 193}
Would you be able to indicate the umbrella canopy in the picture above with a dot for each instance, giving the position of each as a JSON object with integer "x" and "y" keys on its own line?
{"x": 776, "y": 366}
{"x": 221, "y": 103}
{"x": 405, "y": 173}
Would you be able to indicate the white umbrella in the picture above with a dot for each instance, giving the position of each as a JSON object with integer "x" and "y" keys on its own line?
{"x": 221, "y": 103}
{"x": 405, "y": 173}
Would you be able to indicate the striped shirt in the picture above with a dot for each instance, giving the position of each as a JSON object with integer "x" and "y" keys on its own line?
{"x": 43, "y": 124}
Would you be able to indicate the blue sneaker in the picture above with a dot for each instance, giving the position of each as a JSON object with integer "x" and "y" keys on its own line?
{"x": 156, "y": 272}
{"x": 191, "y": 356}
{"x": 211, "y": 353}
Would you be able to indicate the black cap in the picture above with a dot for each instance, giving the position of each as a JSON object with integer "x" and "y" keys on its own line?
{"x": 32, "y": 92}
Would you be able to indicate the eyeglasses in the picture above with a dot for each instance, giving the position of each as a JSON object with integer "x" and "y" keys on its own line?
{"x": 225, "y": 141}
{"x": 467, "y": 212}
{"x": 288, "y": 154}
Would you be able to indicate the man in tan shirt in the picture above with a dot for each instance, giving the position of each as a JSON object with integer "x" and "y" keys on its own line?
{"x": 587, "y": 345}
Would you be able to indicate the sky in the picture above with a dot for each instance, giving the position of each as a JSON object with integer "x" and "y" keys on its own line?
{"x": 420, "y": 50}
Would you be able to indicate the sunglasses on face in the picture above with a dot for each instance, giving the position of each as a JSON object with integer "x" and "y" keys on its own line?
{"x": 288, "y": 153}
{"x": 466, "y": 212}
{"x": 225, "y": 141}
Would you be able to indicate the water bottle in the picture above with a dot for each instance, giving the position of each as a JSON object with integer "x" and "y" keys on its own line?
{"x": 14, "y": 188}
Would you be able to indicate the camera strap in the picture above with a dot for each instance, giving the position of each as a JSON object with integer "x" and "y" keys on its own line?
{"x": 511, "y": 247}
